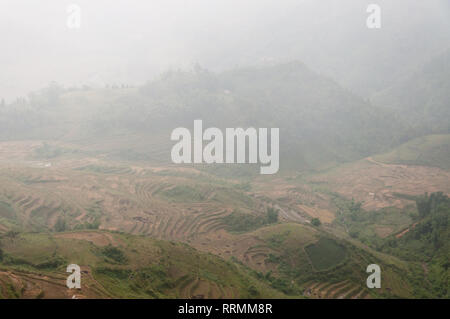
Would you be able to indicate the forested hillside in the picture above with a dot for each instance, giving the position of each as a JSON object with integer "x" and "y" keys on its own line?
{"x": 427, "y": 241}
{"x": 320, "y": 123}
{"x": 422, "y": 100}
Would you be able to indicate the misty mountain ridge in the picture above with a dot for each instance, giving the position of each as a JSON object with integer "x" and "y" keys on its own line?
{"x": 320, "y": 122}
{"x": 422, "y": 99}
{"x": 329, "y": 36}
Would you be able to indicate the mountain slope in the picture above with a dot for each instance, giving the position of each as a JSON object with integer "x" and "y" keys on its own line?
{"x": 430, "y": 150}
{"x": 119, "y": 266}
{"x": 422, "y": 100}
{"x": 320, "y": 123}
{"x": 427, "y": 242}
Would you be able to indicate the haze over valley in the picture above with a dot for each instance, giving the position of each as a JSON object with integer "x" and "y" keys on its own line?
{"x": 86, "y": 175}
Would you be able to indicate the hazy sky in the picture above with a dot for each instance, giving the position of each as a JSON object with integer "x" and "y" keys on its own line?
{"x": 132, "y": 41}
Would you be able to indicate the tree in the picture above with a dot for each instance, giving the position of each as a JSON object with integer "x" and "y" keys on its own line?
{"x": 316, "y": 222}
{"x": 60, "y": 225}
{"x": 272, "y": 215}
{"x": 12, "y": 234}
{"x": 423, "y": 204}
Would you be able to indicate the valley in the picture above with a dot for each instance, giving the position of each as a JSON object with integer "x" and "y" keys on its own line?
{"x": 85, "y": 203}
{"x": 225, "y": 150}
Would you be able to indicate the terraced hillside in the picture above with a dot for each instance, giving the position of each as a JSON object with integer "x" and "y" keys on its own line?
{"x": 280, "y": 254}
{"x": 70, "y": 197}
{"x": 377, "y": 184}
{"x": 89, "y": 193}
{"x": 119, "y": 266}
{"x": 358, "y": 130}
{"x": 430, "y": 150}
{"x": 340, "y": 290}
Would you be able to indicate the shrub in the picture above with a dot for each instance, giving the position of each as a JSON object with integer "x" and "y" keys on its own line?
{"x": 115, "y": 254}
{"x": 121, "y": 274}
{"x": 60, "y": 225}
{"x": 240, "y": 222}
{"x": 52, "y": 263}
{"x": 94, "y": 225}
{"x": 272, "y": 215}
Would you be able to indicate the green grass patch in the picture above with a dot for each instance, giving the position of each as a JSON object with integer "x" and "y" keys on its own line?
{"x": 431, "y": 150}
{"x": 325, "y": 254}
{"x": 242, "y": 222}
{"x": 184, "y": 193}
{"x": 7, "y": 211}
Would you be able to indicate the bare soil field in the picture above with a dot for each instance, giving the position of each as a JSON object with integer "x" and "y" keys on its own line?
{"x": 376, "y": 184}
{"x": 31, "y": 286}
{"x": 324, "y": 215}
{"x": 98, "y": 239}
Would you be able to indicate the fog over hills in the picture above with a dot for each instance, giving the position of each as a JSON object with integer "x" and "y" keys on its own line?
{"x": 123, "y": 43}
{"x": 89, "y": 175}
{"x": 422, "y": 99}
{"x": 321, "y": 123}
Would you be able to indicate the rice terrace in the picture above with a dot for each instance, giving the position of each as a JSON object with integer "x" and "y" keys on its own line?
{"x": 225, "y": 150}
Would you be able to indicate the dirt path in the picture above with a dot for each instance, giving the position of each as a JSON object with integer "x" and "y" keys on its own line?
{"x": 425, "y": 268}
{"x": 400, "y": 235}
{"x": 291, "y": 215}
{"x": 370, "y": 159}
